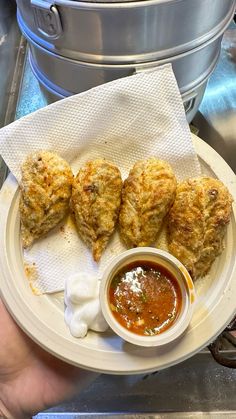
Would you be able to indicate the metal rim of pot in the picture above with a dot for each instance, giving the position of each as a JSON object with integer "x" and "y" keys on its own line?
{"x": 185, "y": 92}
{"x": 103, "y": 3}
{"x": 191, "y": 98}
{"x": 133, "y": 68}
{"x": 47, "y": 41}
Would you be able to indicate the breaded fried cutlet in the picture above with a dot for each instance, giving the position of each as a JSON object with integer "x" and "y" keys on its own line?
{"x": 197, "y": 223}
{"x": 95, "y": 202}
{"x": 218, "y": 207}
{"x": 45, "y": 186}
{"x": 147, "y": 196}
{"x": 186, "y": 224}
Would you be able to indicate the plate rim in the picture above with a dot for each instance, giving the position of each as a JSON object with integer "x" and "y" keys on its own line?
{"x": 211, "y": 158}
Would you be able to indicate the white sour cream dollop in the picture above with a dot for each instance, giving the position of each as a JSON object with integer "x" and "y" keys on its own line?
{"x": 83, "y": 311}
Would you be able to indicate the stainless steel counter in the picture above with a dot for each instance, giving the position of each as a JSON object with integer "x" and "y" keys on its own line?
{"x": 9, "y": 46}
{"x": 216, "y": 120}
{"x": 10, "y": 39}
{"x": 198, "y": 387}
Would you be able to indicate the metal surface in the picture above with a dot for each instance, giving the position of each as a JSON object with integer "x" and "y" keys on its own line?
{"x": 227, "y": 360}
{"x": 9, "y": 47}
{"x": 52, "y": 93}
{"x": 67, "y": 76}
{"x": 192, "y": 100}
{"x": 47, "y": 19}
{"x": 196, "y": 385}
{"x": 123, "y": 32}
{"x": 216, "y": 120}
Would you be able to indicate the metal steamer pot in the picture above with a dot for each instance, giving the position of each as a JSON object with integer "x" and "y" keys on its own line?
{"x": 190, "y": 68}
{"x": 75, "y": 46}
{"x": 62, "y": 77}
{"x": 118, "y": 31}
{"x": 191, "y": 99}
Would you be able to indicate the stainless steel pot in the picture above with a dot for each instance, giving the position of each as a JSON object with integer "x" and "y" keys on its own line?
{"x": 191, "y": 99}
{"x": 123, "y": 31}
{"x": 190, "y": 68}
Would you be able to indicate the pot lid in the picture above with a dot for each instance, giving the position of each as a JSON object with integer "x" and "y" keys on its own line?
{"x": 74, "y": 2}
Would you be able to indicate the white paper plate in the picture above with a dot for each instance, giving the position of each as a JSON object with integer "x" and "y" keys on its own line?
{"x": 42, "y": 317}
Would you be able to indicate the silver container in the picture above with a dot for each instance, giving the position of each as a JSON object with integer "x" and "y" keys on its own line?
{"x": 190, "y": 68}
{"x": 52, "y": 93}
{"x": 123, "y": 32}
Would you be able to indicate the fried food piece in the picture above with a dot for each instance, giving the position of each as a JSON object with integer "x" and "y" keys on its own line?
{"x": 186, "y": 224}
{"x": 147, "y": 196}
{"x": 197, "y": 223}
{"x": 218, "y": 207}
{"x": 96, "y": 198}
{"x": 45, "y": 186}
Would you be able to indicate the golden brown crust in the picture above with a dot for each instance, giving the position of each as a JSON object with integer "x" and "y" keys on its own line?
{"x": 147, "y": 196}
{"x": 218, "y": 207}
{"x": 197, "y": 223}
{"x": 186, "y": 223}
{"x": 45, "y": 194}
{"x": 96, "y": 197}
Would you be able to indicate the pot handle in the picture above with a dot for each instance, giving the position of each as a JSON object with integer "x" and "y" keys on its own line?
{"x": 47, "y": 18}
{"x": 189, "y": 104}
{"x": 215, "y": 347}
{"x": 222, "y": 358}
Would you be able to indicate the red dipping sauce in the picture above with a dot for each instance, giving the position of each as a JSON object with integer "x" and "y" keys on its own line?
{"x": 145, "y": 298}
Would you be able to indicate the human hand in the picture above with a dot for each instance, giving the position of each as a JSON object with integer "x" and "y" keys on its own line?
{"x": 31, "y": 380}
